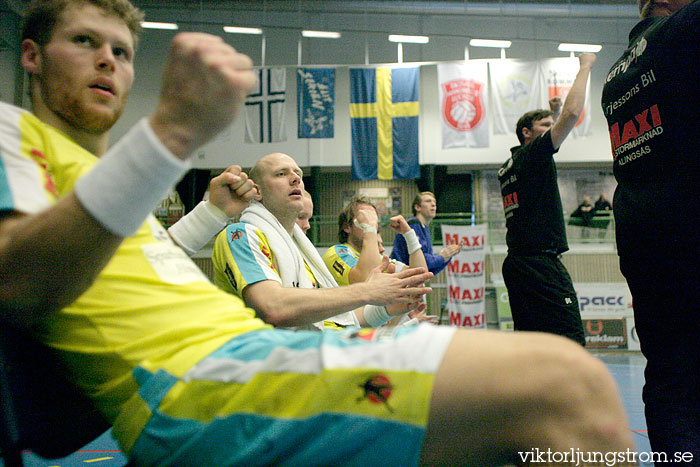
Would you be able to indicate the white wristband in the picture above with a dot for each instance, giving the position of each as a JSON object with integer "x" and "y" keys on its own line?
{"x": 194, "y": 230}
{"x": 130, "y": 180}
{"x": 366, "y": 228}
{"x": 375, "y": 315}
{"x": 412, "y": 242}
{"x": 410, "y": 322}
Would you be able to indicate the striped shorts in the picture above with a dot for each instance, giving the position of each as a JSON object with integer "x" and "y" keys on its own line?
{"x": 355, "y": 397}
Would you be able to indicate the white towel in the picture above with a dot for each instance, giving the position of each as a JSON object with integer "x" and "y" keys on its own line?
{"x": 291, "y": 254}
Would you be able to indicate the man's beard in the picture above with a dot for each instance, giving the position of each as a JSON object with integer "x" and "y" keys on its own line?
{"x": 74, "y": 111}
{"x": 78, "y": 116}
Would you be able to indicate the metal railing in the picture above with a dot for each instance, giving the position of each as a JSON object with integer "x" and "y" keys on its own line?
{"x": 600, "y": 230}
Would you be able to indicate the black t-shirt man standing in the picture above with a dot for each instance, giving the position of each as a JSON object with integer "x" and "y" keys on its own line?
{"x": 651, "y": 99}
{"x": 540, "y": 290}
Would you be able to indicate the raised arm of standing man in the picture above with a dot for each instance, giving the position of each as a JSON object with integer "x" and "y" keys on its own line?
{"x": 573, "y": 105}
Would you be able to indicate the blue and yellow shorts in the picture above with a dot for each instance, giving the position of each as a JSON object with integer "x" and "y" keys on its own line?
{"x": 357, "y": 397}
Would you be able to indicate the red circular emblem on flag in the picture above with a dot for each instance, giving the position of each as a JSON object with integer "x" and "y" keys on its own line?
{"x": 461, "y": 107}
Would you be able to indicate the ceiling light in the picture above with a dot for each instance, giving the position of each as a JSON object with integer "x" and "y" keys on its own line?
{"x": 153, "y": 25}
{"x": 490, "y": 43}
{"x": 321, "y": 34}
{"x": 411, "y": 39}
{"x": 238, "y": 30}
{"x": 580, "y": 47}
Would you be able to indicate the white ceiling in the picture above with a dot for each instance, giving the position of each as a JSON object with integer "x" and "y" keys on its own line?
{"x": 468, "y": 8}
{"x": 541, "y": 8}
{"x": 449, "y": 23}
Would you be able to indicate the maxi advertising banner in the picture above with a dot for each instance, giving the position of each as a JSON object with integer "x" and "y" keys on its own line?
{"x": 465, "y": 275}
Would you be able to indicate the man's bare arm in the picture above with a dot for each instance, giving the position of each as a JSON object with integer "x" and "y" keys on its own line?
{"x": 47, "y": 260}
{"x": 204, "y": 84}
{"x": 290, "y": 306}
{"x": 573, "y": 106}
{"x": 417, "y": 258}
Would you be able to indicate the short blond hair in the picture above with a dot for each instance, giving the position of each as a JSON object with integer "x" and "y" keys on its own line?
{"x": 419, "y": 199}
{"x": 347, "y": 215}
{"x": 43, "y": 15}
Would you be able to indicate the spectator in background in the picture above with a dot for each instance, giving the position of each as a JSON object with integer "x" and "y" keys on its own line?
{"x": 584, "y": 211}
{"x": 584, "y": 214}
{"x": 602, "y": 212}
{"x": 602, "y": 205}
{"x": 424, "y": 210}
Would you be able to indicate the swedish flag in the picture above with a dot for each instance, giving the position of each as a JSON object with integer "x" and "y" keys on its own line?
{"x": 384, "y": 122}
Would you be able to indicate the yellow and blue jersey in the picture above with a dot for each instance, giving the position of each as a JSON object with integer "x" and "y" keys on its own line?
{"x": 242, "y": 256}
{"x": 186, "y": 372}
{"x": 339, "y": 260}
{"x": 149, "y": 303}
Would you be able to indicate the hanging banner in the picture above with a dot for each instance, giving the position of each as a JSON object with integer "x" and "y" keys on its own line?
{"x": 466, "y": 275}
{"x": 265, "y": 108}
{"x": 463, "y": 89}
{"x": 384, "y": 123}
{"x": 515, "y": 89}
{"x": 315, "y": 102}
{"x": 557, "y": 75}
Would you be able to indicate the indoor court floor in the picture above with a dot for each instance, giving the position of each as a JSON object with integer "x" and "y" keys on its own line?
{"x": 626, "y": 367}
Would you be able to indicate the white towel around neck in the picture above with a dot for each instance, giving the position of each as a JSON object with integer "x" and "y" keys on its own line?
{"x": 291, "y": 253}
